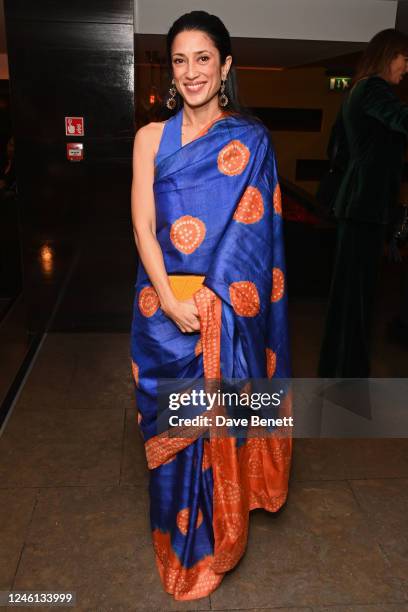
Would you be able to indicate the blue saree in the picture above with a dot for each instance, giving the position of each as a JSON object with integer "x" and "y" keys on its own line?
{"x": 218, "y": 214}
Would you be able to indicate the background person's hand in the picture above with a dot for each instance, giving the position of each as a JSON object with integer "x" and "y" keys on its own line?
{"x": 184, "y": 314}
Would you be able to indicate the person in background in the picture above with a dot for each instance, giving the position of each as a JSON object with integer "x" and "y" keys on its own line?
{"x": 398, "y": 327}
{"x": 375, "y": 124}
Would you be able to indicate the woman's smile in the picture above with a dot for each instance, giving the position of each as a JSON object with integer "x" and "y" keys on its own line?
{"x": 195, "y": 87}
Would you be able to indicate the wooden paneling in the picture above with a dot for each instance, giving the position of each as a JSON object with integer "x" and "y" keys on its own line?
{"x": 290, "y": 119}
{"x": 70, "y": 58}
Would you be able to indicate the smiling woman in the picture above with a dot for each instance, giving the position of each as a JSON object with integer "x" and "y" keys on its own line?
{"x": 196, "y": 73}
{"x": 210, "y": 303}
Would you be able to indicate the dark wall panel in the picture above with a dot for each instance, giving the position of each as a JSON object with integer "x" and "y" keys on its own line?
{"x": 71, "y": 59}
{"x": 62, "y": 70}
{"x": 290, "y": 119}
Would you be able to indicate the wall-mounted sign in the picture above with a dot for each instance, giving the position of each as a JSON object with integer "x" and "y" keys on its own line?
{"x": 75, "y": 151}
{"x": 339, "y": 83}
{"x": 74, "y": 126}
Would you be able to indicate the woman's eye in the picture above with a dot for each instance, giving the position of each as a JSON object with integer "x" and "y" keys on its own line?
{"x": 177, "y": 60}
{"x": 204, "y": 58}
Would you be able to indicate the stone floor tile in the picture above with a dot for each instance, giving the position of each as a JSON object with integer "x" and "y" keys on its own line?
{"x": 337, "y": 459}
{"x": 96, "y": 541}
{"x": 80, "y": 371}
{"x": 386, "y": 504}
{"x": 279, "y": 609}
{"x": 398, "y": 607}
{"x": 134, "y": 465}
{"x": 104, "y": 369}
{"x": 317, "y": 551}
{"x": 318, "y": 459}
{"x": 377, "y": 458}
{"x": 61, "y": 447}
{"x": 50, "y": 377}
{"x": 16, "y": 508}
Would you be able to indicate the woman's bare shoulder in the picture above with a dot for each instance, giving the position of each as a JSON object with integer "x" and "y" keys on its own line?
{"x": 149, "y": 135}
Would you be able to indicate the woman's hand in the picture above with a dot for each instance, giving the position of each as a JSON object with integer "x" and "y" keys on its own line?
{"x": 184, "y": 314}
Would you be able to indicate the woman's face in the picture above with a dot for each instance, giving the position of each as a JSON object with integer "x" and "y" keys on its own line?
{"x": 197, "y": 69}
{"x": 398, "y": 68}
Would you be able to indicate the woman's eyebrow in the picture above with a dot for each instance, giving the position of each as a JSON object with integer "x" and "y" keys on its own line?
{"x": 196, "y": 52}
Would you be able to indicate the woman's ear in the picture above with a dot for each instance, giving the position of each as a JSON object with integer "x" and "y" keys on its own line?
{"x": 226, "y": 66}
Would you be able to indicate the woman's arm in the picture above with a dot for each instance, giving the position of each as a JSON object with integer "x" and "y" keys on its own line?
{"x": 337, "y": 148}
{"x": 183, "y": 313}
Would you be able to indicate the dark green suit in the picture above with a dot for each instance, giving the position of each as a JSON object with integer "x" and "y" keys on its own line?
{"x": 372, "y": 128}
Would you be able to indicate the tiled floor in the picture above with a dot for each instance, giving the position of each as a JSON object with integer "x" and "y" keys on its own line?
{"x": 74, "y": 505}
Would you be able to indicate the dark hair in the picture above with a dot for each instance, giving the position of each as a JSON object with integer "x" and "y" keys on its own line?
{"x": 379, "y": 53}
{"x": 218, "y": 33}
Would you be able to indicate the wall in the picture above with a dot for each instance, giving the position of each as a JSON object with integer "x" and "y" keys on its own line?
{"x": 294, "y": 88}
{"x": 72, "y": 58}
{"x": 300, "y": 88}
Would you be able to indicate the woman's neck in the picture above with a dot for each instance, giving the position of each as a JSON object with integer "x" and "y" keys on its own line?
{"x": 198, "y": 117}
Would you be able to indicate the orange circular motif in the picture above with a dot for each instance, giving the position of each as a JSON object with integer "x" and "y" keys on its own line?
{"x": 244, "y": 298}
{"x": 250, "y": 208}
{"x": 278, "y": 285}
{"x": 270, "y": 362}
{"x": 183, "y": 520}
{"x": 233, "y": 158}
{"x": 148, "y": 301}
{"x": 187, "y": 233}
{"x": 277, "y": 199}
{"x": 135, "y": 371}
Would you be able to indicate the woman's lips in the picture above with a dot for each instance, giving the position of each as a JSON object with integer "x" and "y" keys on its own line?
{"x": 194, "y": 88}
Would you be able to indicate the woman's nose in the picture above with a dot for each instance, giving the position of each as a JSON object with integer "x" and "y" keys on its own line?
{"x": 191, "y": 71}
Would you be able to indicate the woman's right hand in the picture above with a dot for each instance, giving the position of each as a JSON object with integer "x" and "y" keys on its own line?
{"x": 184, "y": 314}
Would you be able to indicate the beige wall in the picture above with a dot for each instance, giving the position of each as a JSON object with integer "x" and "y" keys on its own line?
{"x": 296, "y": 88}
{"x": 293, "y": 88}
{"x": 300, "y": 88}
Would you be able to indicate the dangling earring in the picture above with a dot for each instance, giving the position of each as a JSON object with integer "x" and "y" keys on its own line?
{"x": 171, "y": 102}
{"x": 223, "y": 99}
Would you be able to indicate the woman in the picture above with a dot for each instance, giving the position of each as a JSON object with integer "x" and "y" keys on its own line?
{"x": 210, "y": 302}
{"x": 376, "y": 126}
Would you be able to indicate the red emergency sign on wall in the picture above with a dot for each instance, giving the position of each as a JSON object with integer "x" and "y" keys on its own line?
{"x": 74, "y": 126}
{"x": 75, "y": 151}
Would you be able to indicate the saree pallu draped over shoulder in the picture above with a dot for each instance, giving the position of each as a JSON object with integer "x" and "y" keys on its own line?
{"x": 219, "y": 222}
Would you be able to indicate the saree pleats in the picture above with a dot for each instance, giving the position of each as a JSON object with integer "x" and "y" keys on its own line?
{"x": 220, "y": 229}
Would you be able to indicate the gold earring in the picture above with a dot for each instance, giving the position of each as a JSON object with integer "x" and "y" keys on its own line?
{"x": 223, "y": 99}
{"x": 171, "y": 102}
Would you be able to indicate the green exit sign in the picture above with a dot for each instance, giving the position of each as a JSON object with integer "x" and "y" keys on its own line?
{"x": 339, "y": 83}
